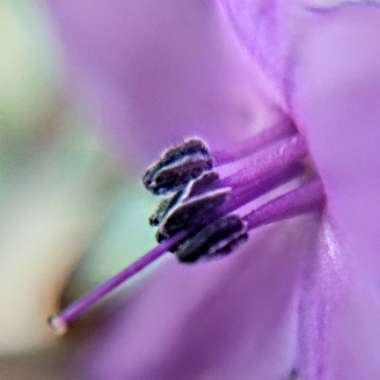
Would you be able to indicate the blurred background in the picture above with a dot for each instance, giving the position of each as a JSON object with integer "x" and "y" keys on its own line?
{"x": 90, "y": 92}
{"x": 66, "y": 205}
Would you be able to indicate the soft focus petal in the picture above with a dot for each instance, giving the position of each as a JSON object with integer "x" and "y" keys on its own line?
{"x": 268, "y": 29}
{"x": 326, "y": 60}
{"x": 336, "y": 100}
{"x": 232, "y": 319}
{"x": 159, "y": 71}
{"x": 339, "y": 324}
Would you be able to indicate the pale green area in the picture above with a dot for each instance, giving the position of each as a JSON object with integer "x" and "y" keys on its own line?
{"x": 70, "y": 214}
{"x": 29, "y": 70}
{"x": 124, "y": 237}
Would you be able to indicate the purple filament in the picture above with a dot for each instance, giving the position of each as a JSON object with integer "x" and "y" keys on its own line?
{"x": 304, "y": 199}
{"x": 278, "y": 157}
{"x": 260, "y": 186}
{"x": 73, "y": 311}
{"x": 254, "y": 144}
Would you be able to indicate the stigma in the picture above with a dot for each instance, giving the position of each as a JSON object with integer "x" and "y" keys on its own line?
{"x": 203, "y": 213}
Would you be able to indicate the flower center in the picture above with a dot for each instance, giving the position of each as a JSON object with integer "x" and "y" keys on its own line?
{"x": 202, "y": 201}
{"x": 204, "y": 212}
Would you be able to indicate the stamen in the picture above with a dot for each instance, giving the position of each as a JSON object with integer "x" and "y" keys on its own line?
{"x": 164, "y": 207}
{"x": 194, "y": 187}
{"x": 304, "y": 199}
{"x": 226, "y": 233}
{"x": 260, "y": 186}
{"x": 253, "y": 145}
{"x": 177, "y": 166}
{"x": 278, "y": 157}
{"x": 187, "y": 161}
{"x": 191, "y": 215}
{"x": 261, "y": 175}
{"x": 218, "y": 238}
{"x": 196, "y": 222}
{"x": 206, "y": 180}
{"x": 197, "y": 209}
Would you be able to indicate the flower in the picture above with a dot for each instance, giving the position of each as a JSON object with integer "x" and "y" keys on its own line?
{"x": 302, "y": 297}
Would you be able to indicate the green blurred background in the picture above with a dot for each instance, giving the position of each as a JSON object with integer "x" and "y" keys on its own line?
{"x": 69, "y": 214}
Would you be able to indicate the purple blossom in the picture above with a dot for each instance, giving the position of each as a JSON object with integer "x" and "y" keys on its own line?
{"x": 302, "y": 297}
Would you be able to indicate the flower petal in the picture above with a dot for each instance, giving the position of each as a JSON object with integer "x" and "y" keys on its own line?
{"x": 268, "y": 29}
{"x": 339, "y": 325}
{"x": 159, "y": 71}
{"x": 336, "y": 100}
{"x": 234, "y": 318}
{"x": 326, "y": 61}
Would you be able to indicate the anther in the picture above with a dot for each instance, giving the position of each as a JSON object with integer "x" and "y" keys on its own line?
{"x": 177, "y": 166}
{"x": 187, "y": 161}
{"x": 196, "y": 210}
{"x": 218, "y": 238}
{"x": 201, "y": 184}
{"x": 164, "y": 208}
{"x": 193, "y": 188}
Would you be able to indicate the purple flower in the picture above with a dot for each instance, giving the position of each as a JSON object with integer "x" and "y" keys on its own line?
{"x": 303, "y": 296}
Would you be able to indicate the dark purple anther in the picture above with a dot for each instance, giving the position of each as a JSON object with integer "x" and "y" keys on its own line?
{"x": 217, "y": 239}
{"x": 195, "y": 211}
{"x": 193, "y": 188}
{"x": 164, "y": 208}
{"x": 177, "y": 166}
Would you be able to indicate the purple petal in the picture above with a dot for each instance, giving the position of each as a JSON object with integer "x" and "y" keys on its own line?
{"x": 268, "y": 29}
{"x": 336, "y": 100}
{"x": 159, "y": 71}
{"x": 339, "y": 325}
{"x": 327, "y": 63}
{"x": 222, "y": 320}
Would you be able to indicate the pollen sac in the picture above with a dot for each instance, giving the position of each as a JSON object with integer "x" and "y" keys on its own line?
{"x": 194, "y": 187}
{"x": 164, "y": 208}
{"x": 177, "y": 167}
{"x": 216, "y": 239}
{"x": 201, "y": 184}
{"x": 191, "y": 213}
